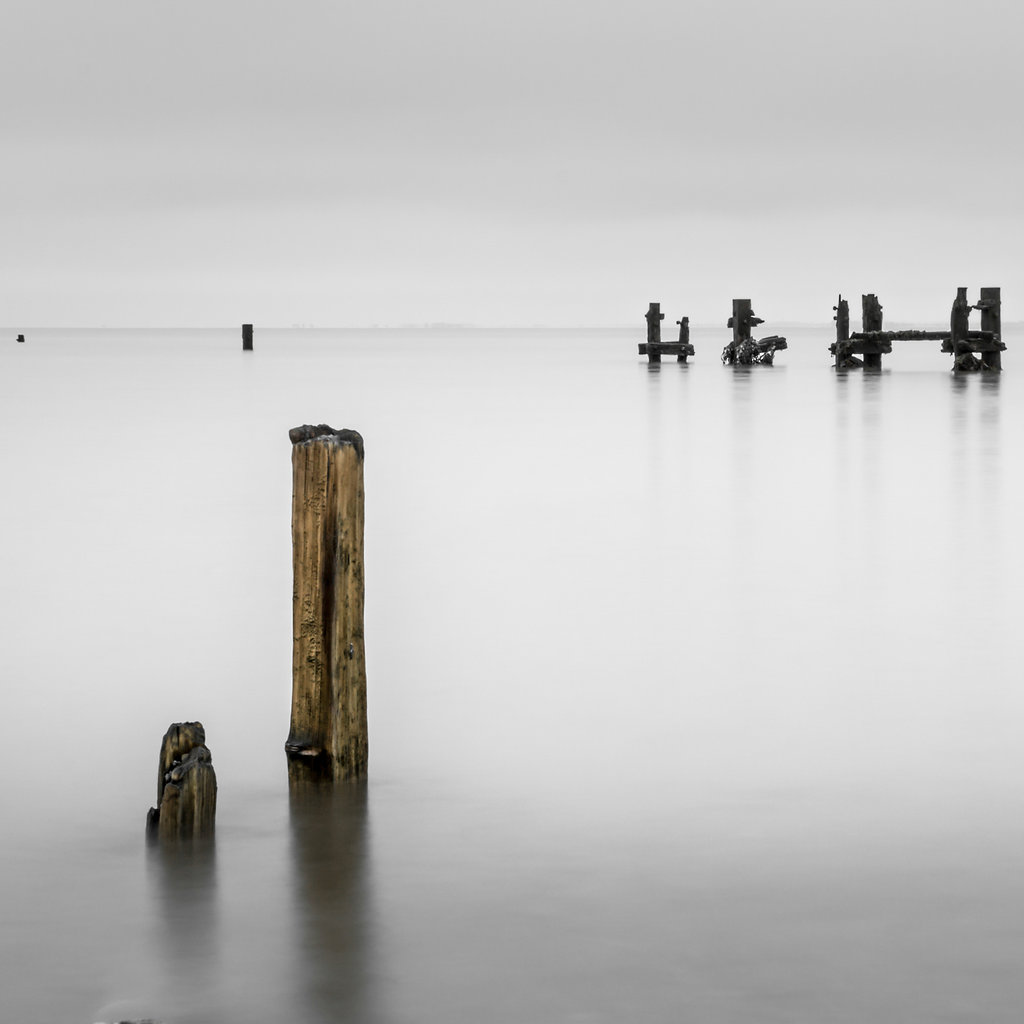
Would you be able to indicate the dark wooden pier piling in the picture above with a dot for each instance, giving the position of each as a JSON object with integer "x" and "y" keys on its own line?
{"x": 654, "y": 348}
{"x": 186, "y": 786}
{"x": 871, "y": 320}
{"x": 991, "y": 306}
{"x": 871, "y": 343}
{"x": 745, "y": 350}
{"x": 246, "y": 337}
{"x": 975, "y": 350}
{"x": 842, "y": 349}
{"x": 971, "y": 350}
{"x": 328, "y": 738}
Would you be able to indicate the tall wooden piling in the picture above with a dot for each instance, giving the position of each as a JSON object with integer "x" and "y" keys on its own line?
{"x": 740, "y": 320}
{"x": 871, "y": 319}
{"x": 328, "y": 738}
{"x": 685, "y": 348}
{"x": 959, "y": 327}
{"x": 246, "y": 337}
{"x": 842, "y": 349}
{"x": 654, "y": 316}
{"x": 842, "y": 319}
{"x": 186, "y": 796}
{"x": 990, "y": 305}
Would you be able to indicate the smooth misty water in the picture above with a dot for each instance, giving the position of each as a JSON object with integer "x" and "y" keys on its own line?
{"x": 694, "y": 692}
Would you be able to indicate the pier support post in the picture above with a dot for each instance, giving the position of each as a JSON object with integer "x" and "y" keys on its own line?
{"x": 186, "y": 794}
{"x": 871, "y": 318}
{"x": 328, "y": 737}
{"x": 990, "y": 305}
{"x": 654, "y": 316}
{"x": 246, "y": 337}
{"x": 959, "y": 327}
{"x": 684, "y": 339}
{"x": 841, "y": 349}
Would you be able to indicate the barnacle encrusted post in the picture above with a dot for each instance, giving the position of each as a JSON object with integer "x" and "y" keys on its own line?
{"x": 328, "y": 736}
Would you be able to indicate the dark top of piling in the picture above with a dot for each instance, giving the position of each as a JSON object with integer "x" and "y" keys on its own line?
{"x": 307, "y": 433}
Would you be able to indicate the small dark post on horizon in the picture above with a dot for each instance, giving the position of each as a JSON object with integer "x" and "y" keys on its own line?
{"x": 186, "y": 789}
{"x": 246, "y": 337}
{"x": 328, "y": 738}
{"x": 990, "y": 304}
{"x": 871, "y": 319}
{"x": 21, "y": 339}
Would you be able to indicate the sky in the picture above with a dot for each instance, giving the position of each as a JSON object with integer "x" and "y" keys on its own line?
{"x": 501, "y": 163}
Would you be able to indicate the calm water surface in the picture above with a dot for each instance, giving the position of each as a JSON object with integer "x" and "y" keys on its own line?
{"x": 694, "y": 691}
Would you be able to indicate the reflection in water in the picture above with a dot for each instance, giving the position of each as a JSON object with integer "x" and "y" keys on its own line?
{"x": 329, "y": 870}
{"x": 186, "y": 915}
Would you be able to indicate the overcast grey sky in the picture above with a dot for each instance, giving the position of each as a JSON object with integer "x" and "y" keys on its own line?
{"x": 560, "y": 162}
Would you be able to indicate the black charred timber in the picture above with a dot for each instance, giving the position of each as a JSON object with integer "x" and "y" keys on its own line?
{"x": 841, "y": 348}
{"x": 186, "y": 786}
{"x": 246, "y": 337}
{"x": 871, "y": 320}
{"x": 745, "y": 350}
{"x": 21, "y": 339}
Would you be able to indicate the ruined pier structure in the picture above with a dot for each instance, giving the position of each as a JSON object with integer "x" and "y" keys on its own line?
{"x": 971, "y": 350}
{"x": 328, "y": 736}
{"x": 744, "y": 349}
{"x": 654, "y": 348}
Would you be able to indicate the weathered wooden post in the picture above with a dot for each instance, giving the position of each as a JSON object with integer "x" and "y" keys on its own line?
{"x": 841, "y": 349}
{"x": 871, "y": 319}
{"x": 990, "y": 304}
{"x": 685, "y": 349}
{"x": 186, "y": 794}
{"x": 246, "y": 337}
{"x": 654, "y": 316}
{"x": 959, "y": 327}
{"x": 742, "y": 349}
{"x": 328, "y": 737}
{"x": 740, "y": 320}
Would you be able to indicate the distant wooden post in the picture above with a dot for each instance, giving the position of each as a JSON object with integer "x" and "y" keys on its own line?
{"x": 186, "y": 792}
{"x": 654, "y": 316}
{"x": 871, "y": 319}
{"x": 684, "y": 339}
{"x": 246, "y": 337}
{"x": 21, "y": 339}
{"x": 990, "y": 305}
{"x": 328, "y": 737}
